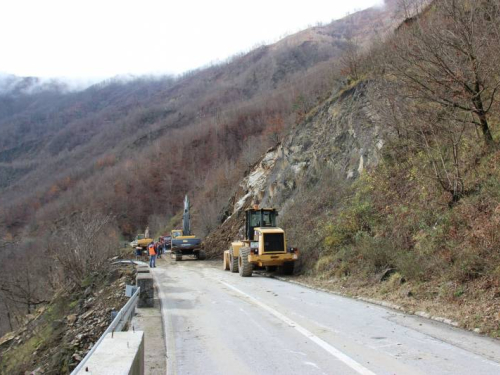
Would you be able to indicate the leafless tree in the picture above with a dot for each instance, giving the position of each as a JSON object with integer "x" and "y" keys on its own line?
{"x": 23, "y": 288}
{"x": 350, "y": 59}
{"x": 448, "y": 58}
{"x": 157, "y": 224}
{"x": 427, "y": 135}
{"x": 83, "y": 244}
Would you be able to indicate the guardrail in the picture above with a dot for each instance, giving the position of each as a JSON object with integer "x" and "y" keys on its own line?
{"x": 116, "y": 325}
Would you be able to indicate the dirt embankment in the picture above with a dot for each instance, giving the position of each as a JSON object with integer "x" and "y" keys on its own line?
{"x": 221, "y": 239}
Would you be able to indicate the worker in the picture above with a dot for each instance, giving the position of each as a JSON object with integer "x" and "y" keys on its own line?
{"x": 158, "y": 249}
{"x": 152, "y": 255}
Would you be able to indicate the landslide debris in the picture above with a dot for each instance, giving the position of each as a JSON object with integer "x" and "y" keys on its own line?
{"x": 342, "y": 134}
{"x": 57, "y": 336}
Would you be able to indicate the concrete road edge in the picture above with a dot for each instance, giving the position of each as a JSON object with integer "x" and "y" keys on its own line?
{"x": 389, "y": 305}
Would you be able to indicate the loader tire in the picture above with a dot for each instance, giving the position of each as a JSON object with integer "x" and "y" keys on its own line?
{"x": 288, "y": 267}
{"x": 202, "y": 255}
{"x": 244, "y": 266}
{"x": 233, "y": 262}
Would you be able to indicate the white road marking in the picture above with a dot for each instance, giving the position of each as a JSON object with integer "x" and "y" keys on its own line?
{"x": 323, "y": 344}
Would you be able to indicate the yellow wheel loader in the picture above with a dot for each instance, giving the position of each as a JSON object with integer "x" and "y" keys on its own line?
{"x": 264, "y": 246}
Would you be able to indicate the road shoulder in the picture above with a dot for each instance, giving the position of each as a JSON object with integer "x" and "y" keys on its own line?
{"x": 149, "y": 320}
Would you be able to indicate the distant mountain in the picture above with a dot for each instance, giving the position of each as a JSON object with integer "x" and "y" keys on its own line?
{"x": 12, "y": 85}
{"x": 50, "y": 135}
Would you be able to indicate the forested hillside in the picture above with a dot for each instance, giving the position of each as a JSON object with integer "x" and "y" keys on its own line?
{"x": 81, "y": 169}
{"x": 376, "y": 136}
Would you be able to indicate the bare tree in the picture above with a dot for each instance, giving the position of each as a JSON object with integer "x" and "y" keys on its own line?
{"x": 157, "y": 223}
{"x": 448, "y": 58}
{"x": 23, "y": 288}
{"x": 350, "y": 59}
{"x": 83, "y": 244}
{"x": 209, "y": 216}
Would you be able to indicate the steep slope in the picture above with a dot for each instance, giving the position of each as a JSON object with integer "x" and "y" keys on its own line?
{"x": 360, "y": 184}
{"x": 339, "y": 139}
{"x": 56, "y": 337}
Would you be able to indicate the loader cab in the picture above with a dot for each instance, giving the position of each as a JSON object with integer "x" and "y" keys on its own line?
{"x": 259, "y": 218}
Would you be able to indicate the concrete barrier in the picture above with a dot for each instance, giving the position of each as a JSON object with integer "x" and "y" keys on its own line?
{"x": 147, "y": 293}
{"x": 118, "y": 323}
{"x": 119, "y": 353}
{"x": 142, "y": 269}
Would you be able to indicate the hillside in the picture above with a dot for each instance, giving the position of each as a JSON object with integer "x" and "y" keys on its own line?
{"x": 382, "y": 161}
{"x": 124, "y": 152}
{"x": 336, "y": 143}
{"x": 113, "y": 118}
{"x": 390, "y": 186}
{"x": 55, "y": 338}
{"x": 376, "y": 137}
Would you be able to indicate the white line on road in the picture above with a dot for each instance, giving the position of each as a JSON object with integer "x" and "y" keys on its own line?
{"x": 329, "y": 348}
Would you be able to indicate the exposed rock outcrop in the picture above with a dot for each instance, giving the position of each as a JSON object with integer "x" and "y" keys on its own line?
{"x": 344, "y": 134}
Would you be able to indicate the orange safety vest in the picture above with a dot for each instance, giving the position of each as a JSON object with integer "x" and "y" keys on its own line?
{"x": 152, "y": 250}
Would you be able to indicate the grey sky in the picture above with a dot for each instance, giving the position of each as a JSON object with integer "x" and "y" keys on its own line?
{"x": 104, "y": 38}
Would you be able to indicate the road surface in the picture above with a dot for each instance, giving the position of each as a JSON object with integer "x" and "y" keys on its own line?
{"x": 220, "y": 323}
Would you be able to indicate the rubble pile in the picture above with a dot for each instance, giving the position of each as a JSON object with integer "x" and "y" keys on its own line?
{"x": 221, "y": 239}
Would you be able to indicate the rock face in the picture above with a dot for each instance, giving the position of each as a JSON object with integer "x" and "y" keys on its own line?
{"x": 343, "y": 134}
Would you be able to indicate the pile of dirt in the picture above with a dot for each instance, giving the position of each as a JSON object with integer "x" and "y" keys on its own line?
{"x": 221, "y": 239}
{"x": 59, "y": 335}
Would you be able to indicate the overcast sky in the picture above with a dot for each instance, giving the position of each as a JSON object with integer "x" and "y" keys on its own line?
{"x": 104, "y": 38}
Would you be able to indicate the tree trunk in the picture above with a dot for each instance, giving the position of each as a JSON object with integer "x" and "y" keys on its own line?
{"x": 485, "y": 128}
{"x": 488, "y": 138}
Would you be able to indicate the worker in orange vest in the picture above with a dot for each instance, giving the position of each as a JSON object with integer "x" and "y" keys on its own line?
{"x": 152, "y": 255}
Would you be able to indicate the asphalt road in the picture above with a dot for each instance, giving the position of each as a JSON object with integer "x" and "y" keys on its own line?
{"x": 220, "y": 323}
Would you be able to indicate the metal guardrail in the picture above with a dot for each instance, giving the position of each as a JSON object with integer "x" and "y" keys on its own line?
{"x": 116, "y": 325}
